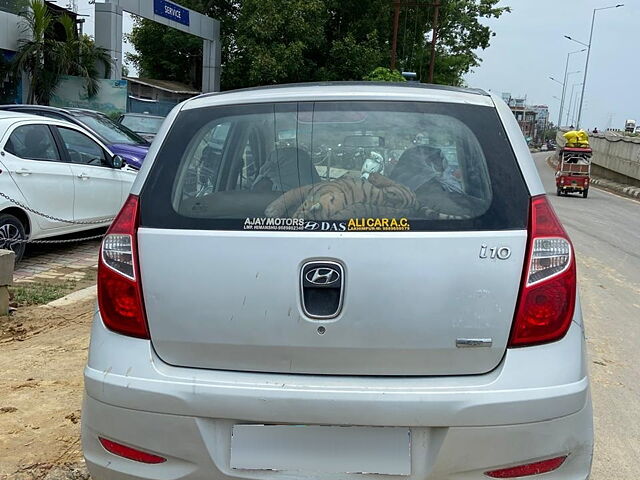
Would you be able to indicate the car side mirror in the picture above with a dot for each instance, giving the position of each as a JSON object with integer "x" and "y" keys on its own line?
{"x": 117, "y": 162}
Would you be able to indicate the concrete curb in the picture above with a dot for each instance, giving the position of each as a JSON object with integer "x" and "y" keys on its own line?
{"x": 74, "y": 297}
{"x": 620, "y": 188}
{"x": 629, "y": 191}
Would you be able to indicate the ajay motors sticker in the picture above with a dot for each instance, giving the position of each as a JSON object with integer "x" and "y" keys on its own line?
{"x": 280, "y": 224}
{"x": 378, "y": 225}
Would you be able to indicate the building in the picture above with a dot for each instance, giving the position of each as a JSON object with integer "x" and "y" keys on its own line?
{"x": 527, "y": 117}
{"x": 10, "y": 35}
{"x": 108, "y": 35}
{"x": 542, "y": 121}
{"x": 160, "y": 90}
{"x": 158, "y": 97}
{"x": 527, "y": 120}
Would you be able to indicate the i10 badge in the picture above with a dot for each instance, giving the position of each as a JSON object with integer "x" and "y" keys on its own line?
{"x": 501, "y": 253}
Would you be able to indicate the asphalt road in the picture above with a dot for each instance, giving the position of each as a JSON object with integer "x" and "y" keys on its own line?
{"x": 605, "y": 230}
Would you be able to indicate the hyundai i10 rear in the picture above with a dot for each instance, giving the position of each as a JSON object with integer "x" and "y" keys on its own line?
{"x": 342, "y": 281}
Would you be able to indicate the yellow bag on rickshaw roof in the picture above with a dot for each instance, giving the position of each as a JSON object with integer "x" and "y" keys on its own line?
{"x": 572, "y": 137}
{"x": 576, "y": 138}
{"x": 583, "y": 137}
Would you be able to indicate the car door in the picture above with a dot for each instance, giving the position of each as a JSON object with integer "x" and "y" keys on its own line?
{"x": 98, "y": 186}
{"x": 35, "y": 164}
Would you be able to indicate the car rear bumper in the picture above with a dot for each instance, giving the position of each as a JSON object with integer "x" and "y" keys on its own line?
{"x": 531, "y": 384}
{"x": 535, "y": 405}
{"x": 200, "y": 448}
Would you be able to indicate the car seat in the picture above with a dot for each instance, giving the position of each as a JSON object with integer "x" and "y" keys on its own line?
{"x": 285, "y": 169}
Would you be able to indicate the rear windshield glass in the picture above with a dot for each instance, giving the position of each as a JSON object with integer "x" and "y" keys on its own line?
{"x": 110, "y": 131}
{"x": 142, "y": 124}
{"x": 336, "y": 166}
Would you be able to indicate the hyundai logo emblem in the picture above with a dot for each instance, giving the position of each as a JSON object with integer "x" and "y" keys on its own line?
{"x": 322, "y": 276}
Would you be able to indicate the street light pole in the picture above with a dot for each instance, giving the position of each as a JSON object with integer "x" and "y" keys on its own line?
{"x": 575, "y": 108}
{"x": 586, "y": 64}
{"x": 564, "y": 88}
{"x": 570, "y": 103}
{"x": 564, "y": 84}
{"x": 557, "y": 81}
{"x": 586, "y": 67}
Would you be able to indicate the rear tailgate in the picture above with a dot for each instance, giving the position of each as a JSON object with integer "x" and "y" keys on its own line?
{"x": 232, "y": 300}
{"x": 264, "y": 245}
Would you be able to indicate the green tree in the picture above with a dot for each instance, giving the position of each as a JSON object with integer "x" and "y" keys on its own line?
{"x": 82, "y": 58}
{"x": 169, "y": 54}
{"x": 276, "y": 41}
{"x": 383, "y": 74}
{"x": 461, "y": 34}
{"x": 164, "y": 52}
{"x": 550, "y": 132}
{"x": 320, "y": 40}
{"x": 39, "y": 56}
{"x": 45, "y": 59}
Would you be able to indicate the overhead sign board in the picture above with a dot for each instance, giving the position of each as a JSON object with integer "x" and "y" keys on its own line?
{"x": 171, "y": 11}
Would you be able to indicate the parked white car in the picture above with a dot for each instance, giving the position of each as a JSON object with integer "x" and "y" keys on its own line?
{"x": 60, "y": 170}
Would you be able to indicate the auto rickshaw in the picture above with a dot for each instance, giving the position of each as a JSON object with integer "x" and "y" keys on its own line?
{"x": 574, "y": 170}
{"x": 574, "y": 165}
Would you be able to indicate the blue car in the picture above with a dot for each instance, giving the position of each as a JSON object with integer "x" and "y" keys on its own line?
{"x": 120, "y": 140}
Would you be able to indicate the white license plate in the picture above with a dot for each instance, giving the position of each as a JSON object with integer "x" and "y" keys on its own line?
{"x": 322, "y": 449}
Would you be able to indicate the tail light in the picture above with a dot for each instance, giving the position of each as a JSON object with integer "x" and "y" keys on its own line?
{"x": 119, "y": 289}
{"x": 548, "y": 290}
{"x": 528, "y": 469}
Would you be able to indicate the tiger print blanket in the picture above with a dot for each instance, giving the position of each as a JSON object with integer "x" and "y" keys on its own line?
{"x": 346, "y": 198}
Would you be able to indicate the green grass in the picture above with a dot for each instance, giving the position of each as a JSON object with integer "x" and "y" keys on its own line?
{"x": 40, "y": 293}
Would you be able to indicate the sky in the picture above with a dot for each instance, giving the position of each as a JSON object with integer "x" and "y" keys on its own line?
{"x": 529, "y": 47}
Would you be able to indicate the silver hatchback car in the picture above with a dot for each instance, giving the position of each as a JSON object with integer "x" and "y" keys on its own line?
{"x": 338, "y": 281}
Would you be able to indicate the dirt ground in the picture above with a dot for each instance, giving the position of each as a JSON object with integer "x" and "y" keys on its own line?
{"x": 42, "y": 353}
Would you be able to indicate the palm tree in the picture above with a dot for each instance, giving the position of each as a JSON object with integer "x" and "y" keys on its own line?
{"x": 45, "y": 60}
{"x": 82, "y": 57}
{"x": 37, "y": 54}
